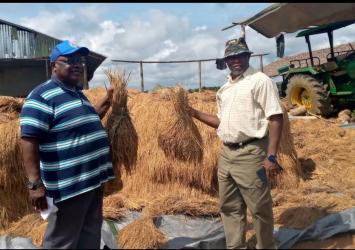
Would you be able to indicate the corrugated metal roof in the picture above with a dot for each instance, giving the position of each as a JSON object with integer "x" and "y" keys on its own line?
{"x": 22, "y": 43}
{"x": 19, "y": 42}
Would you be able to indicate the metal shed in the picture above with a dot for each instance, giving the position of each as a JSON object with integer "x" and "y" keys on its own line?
{"x": 24, "y": 61}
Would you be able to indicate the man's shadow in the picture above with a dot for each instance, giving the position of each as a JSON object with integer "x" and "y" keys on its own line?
{"x": 308, "y": 166}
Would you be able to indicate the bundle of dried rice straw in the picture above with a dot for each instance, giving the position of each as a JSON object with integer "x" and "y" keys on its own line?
{"x": 122, "y": 133}
{"x": 287, "y": 157}
{"x": 181, "y": 138}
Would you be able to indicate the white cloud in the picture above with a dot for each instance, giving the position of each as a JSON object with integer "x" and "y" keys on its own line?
{"x": 200, "y": 28}
{"x": 161, "y": 36}
{"x": 165, "y": 52}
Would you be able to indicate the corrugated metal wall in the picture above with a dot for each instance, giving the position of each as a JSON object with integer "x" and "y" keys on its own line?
{"x": 24, "y": 61}
{"x": 22, "y": 44}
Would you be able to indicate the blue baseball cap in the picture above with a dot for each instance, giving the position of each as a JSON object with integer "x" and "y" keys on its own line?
{"x": 66, "y": 48}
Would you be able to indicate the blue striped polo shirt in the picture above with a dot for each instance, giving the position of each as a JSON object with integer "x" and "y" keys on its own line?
{"x": 73, "y": 145}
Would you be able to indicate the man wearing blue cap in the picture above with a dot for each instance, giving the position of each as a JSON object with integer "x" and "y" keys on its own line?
{"x": 249, "y": 122}
{"x": 66, "y": 152}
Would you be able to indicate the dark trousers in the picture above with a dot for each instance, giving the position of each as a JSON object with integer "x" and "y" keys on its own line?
{"x": 77, "y": 223}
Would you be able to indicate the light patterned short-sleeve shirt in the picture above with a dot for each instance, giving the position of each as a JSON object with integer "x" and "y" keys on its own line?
{"x": 244, "y": 106}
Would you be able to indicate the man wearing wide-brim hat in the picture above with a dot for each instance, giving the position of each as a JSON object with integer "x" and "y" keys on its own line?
{"x": 249, "y": 122}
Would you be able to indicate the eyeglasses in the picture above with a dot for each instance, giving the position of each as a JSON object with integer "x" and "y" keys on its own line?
{"x": 73, "y": 60}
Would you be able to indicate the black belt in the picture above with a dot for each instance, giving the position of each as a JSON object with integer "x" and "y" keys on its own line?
{"x": 240, "y": 144}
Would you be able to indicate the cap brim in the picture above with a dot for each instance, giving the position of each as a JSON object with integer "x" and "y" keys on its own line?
{"x": 82, "y": 51}
{"x": 239, "y": 53}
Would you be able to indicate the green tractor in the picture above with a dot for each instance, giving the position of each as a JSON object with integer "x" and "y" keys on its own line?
{"x": 321, "y": 88}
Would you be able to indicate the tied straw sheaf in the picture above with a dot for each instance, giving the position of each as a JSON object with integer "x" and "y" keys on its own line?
{"x": 181, "y": 138}
{"x": 120, "y": 128}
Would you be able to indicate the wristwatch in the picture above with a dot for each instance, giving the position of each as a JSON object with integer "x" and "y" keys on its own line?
{"x": 272, "y": 158}
{"x": 33, "y": 185}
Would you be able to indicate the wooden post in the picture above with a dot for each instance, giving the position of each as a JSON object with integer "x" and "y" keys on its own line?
{"x": 261, "y": 64}
{"x": 47, "y": 69}
{"x": 199, "y": 76}
{"x": 142, "y": 79}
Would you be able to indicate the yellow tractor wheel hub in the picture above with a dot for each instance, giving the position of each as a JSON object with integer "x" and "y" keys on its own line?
{"x": 301, "y": 97}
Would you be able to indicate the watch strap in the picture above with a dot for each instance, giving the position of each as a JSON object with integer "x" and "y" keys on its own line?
{"x": 272, "y": 158}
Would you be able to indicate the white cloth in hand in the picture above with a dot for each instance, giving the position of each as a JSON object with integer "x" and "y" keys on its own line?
{"x": 51, "y": 208}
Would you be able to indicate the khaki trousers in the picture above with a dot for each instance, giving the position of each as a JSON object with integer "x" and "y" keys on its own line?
{"x": 243, "y": 183}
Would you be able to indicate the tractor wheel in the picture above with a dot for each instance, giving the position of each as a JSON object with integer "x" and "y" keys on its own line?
{"x": 304, "y": 90}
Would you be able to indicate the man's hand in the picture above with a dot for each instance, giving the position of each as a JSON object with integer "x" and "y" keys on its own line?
{"x": 191, "y": 111}
{"x": 272, "y": 168}
{"x": 109, "y": 95}
{"x": 30, "y": 154}
{"x": 103, "y": 106}
{"x": 107, "y": 100}
{"x": 210, "y": 120}
{"x": 38, "y": 198}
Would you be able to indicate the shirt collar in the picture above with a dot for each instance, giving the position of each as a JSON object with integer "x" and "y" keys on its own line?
{"x": 248, "y": 72}
{"x": 63, "y": 85}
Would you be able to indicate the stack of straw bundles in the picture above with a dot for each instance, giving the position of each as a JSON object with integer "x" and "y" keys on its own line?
{"x": 122, "y": 133}
{"x": 181, "y": 138}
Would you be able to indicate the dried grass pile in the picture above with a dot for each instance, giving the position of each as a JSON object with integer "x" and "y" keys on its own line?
{"x": 10, "y": 108}
{"x": 32, "y": 226}
{"x": 326, "y": 152}
{"x": 14, "y": 201}
{"x": 181, "y": 138}
{"x": 187, "y": 202}
{"x": 113, "y": 207}
{"x": 177, "y": 204}
{"x": 121, "y": 130}
{"x": 141, "y": 234}
{"x": 95, "y": 94}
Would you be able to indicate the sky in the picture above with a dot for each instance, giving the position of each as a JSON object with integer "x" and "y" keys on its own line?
{"x": 158, "y": 31}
